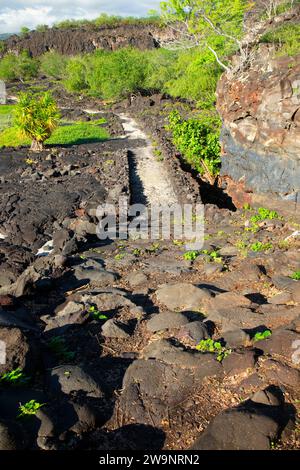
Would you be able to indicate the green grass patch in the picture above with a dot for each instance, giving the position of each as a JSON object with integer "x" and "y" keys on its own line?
{"x": 287, "y": 37}
{"x": 66, "y": 134}
{"x": 6, "y": 116}
{"x": 6, "y": 109}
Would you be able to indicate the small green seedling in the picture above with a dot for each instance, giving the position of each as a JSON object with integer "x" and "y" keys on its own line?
{"x": 254, "y": 228}
{"x": 260, "y": 336}
{"x": 295, "y": 276}
{"x": 96, "y": 314}
{"x": 191, "y": 255}
{"x": 178, "y": 243}
{"x": 153, "y": 248}
{"x": 58, "y": 347}
{"x": 264, "y": 214}
{"x": 259, "y": 246}
{"x": 14, "y": 377}
{"x": 29, "y": 161}
{"x": 214, "y": 256}
{"x": 207, "y": 237}
{"x": 211, "y": 346}
{"x": 29, "y": 409}
{"x": 137, "y": 252}
{"x": 119, "y": 256}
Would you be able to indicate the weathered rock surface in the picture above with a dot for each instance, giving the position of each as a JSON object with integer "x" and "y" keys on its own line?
{"x": 261, "y": 133}
{"x": 251, "y": 426}
{"x": 183, "y": 296}
{"x": 86, "y": 40}
{"x": 69, "y": 379}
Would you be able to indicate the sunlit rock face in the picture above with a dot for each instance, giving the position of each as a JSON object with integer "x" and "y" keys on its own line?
{"x": 261, "y": 129}
{"x": 88, "y": 39}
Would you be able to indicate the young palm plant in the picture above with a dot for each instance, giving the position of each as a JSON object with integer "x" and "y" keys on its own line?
{"x": 36, "y": 117}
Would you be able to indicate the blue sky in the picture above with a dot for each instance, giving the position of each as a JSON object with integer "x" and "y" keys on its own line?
{"x": 17, "y": 13}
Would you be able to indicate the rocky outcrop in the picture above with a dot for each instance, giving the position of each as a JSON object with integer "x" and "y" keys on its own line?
{"x": 261, "y": 131}
{"x": 86, "y": 40}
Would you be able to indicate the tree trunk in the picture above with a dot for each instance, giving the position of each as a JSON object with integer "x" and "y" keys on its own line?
{"x": 36, "y": 146}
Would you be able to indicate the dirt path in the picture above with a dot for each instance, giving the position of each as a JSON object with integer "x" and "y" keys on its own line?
{"x": 150, "y": 179}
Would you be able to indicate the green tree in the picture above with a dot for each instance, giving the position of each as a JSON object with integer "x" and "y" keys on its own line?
{"x": 53, "y": 64}
{"x": 36, "y": 117}
{"x": 24, "y": 31}
{"x": 216, "y": 25}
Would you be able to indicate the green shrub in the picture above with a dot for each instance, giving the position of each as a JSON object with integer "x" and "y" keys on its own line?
{"x": 21, "y": 67}
{"x": 198, "y": 141}
{"x": 286, "y": 37}
{"x": 71, "y": 24}
{"x": 194, "y": 77}
{"x": 42, "y": 28}
{"x": 24, "y": 31}
{"x": 76, "y": 75}
{"x": 120, "y": 73}
{"x": 7, "y": 67}
{"x": 53, "y": 65}
{"x": 26, "y": 67}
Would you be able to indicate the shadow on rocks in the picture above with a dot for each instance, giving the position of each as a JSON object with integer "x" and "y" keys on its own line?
{"x": 133, "y": 437}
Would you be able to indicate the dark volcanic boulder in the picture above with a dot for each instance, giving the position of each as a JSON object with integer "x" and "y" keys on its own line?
{"x": 250, "y": 426}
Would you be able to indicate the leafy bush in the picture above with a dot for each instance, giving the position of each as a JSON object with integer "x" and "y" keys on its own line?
{"x": 26, "y": 67}
{"x": 53, "y": 65}
{"x": 36, "y": 117}
{"x": 24, "y": 31}
{"x": 118, "y": 74}
{"x": 21, "y": 67}
{"x": 198, "y": 140}
{"x": 286, "y": 37}
{"x": 71, "y": 24}
{"x": 7, "y": 67}
{"x": 76, "y": 76}
{"x": 108, "y": 20}
{"x": 194, "y": 76}
{"x": 42, "y": 28}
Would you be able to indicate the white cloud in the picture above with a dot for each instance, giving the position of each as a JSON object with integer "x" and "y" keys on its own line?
{"x": 17, "y": 13}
